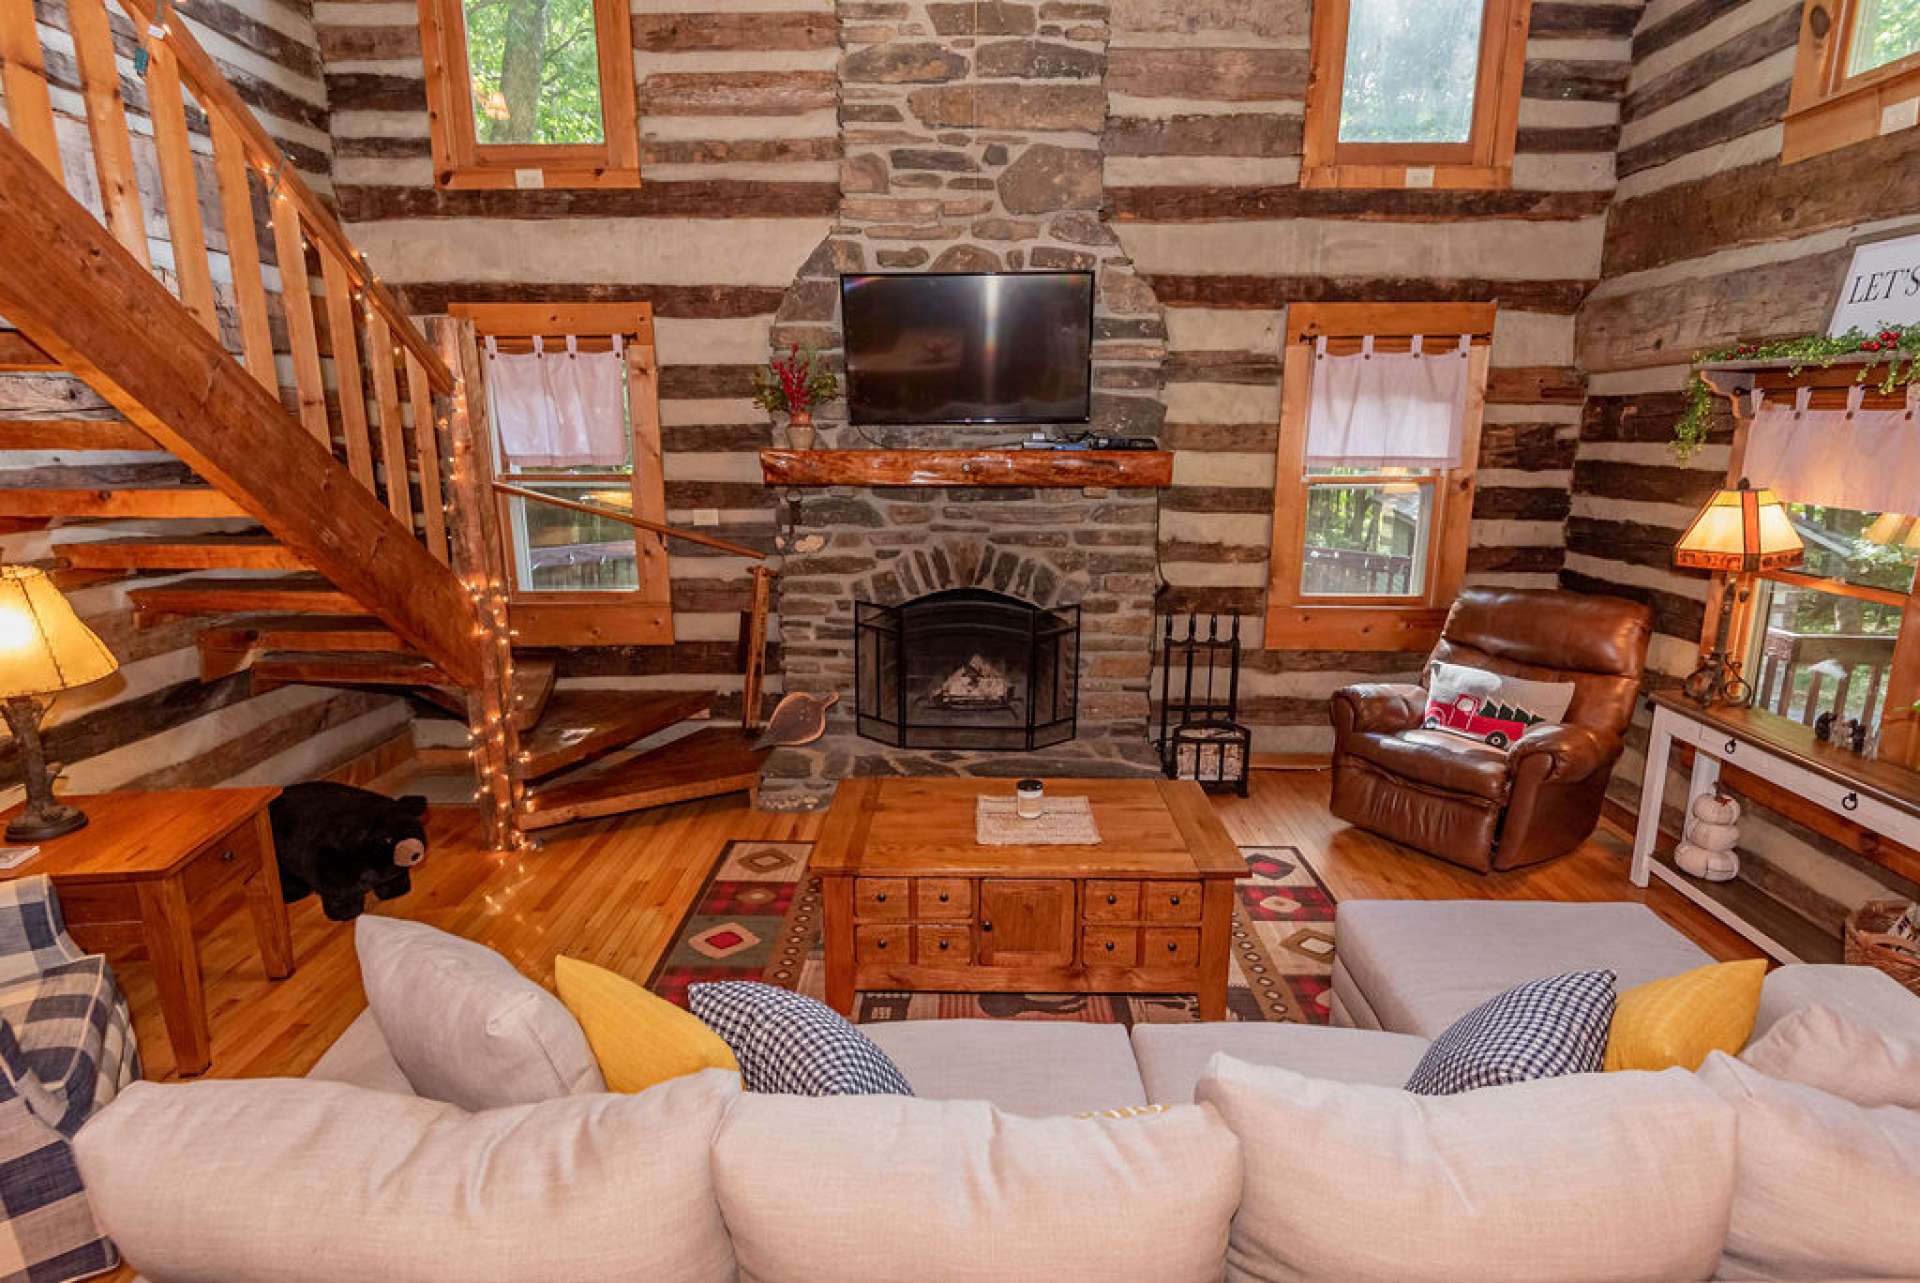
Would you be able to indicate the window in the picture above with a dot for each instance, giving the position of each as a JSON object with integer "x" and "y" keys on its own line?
{"x": 1825, "y": 634}
{"x": 530, "y": 93}
{"x": 1414, "y": 93}
{"x": 1857, "y": 75}
{"x": 1369, "y": 540}
{"x": 579, "y": 578}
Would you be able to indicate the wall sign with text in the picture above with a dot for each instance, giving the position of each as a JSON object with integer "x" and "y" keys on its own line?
{"x": 1882, "y": 286}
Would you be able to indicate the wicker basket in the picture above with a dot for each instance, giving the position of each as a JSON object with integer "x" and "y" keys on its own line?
{"x": 1869, "y": 945}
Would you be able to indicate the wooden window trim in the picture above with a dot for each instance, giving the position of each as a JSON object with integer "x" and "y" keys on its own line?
{"x": 1899, "y": 724}
{"x": 460, "y": 161}
{"x": 1296, "y": 621}
{"x": 1826, "y": 108}
{"x": 1485, "y": 161}
{"x": 642, "y": 616}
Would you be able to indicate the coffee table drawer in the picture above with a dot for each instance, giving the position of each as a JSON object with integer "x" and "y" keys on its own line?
{"x": 942, "y": 899}
{"x": 880, "y": 899}
{"x": 1109, "y": 901}
{"x": 1110, "y": 947}
{"x": 1170, "y": 947}
{"x": 1171, "y": 902}
{"x": 943, "y": 946}
{"x": 880, "y": 944}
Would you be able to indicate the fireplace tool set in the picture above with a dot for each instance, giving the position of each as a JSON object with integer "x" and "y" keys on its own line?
{"x": 1199, "y": 738}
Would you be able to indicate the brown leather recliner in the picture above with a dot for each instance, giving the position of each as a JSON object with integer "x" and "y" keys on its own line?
{"x": 1480, "y": 806}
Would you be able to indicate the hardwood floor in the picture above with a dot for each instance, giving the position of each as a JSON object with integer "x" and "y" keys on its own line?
{"x": 613, "y": 891}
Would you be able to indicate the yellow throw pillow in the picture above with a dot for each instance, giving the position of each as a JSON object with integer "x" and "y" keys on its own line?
{"x": 1677, "y": 1021}
{"x": 639, "y": 1038}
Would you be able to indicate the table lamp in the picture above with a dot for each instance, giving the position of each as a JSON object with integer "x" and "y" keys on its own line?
{"x": 44, "y": 649}
{"x": 1741, "y": 531}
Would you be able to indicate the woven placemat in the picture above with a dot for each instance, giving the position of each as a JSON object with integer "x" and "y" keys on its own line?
{"x": 1063, "y": 821}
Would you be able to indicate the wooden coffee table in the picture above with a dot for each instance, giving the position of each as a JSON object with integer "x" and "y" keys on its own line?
{"x": 912, "y": 902}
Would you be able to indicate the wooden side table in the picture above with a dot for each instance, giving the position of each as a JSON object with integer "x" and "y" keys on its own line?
{"x": 135, "y": 874}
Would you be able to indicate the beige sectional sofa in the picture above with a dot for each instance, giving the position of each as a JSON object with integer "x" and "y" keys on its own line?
{"x": 989, "y": 1174}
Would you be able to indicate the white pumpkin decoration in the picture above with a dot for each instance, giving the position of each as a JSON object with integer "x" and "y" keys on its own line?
{"x": 1713, "y": 866}
{"x": 1716, "y": 808}
{"x": 1707, "y": 850}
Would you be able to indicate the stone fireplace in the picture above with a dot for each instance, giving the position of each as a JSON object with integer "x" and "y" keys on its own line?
{"x": 974, "y": 141}
{"x": 966, "y": 668}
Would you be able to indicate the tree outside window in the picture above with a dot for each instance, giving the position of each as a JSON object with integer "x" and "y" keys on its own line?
{"x": 535, "y": 71}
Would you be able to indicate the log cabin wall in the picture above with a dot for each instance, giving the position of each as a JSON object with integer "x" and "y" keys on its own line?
{"x": 1203, "y": 150}
{"x": 741, "y": 177}
{"x": 1710, "y": 240}
{"x": 155, "y": 724}
{"x": 1196, "y": 107}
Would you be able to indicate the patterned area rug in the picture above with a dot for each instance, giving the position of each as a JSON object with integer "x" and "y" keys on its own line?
{"x": 758, "y": 918}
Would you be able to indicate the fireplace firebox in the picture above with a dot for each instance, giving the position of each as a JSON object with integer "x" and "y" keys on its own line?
{"x": 968, "y": 668}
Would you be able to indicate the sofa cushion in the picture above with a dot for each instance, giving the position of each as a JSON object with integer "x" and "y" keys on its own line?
{"x": 1864, "y": 995}
{"x": 1173, "y": 1057}
{"x": 1819, "y": 1048}
{"x": 787, "y": 1042}
{"x": 1421, "y": 965}
{"x": 1545, "y": 1028}
{"x": 360, "y": 1057}
{"x": 1594, "y": 1177}
{"x": 306, "y": 1182}
{"x": 1825, "y": 1188}
{"x": 639, "y": 1038}
{"x": 464, "y": 1026}
{"x": 1030, "y": 1067}
{"x": 1678, "y": 1020}
{"x": 877, "y": 1189}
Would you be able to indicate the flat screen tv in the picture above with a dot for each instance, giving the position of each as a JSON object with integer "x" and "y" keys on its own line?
{"x": 1002, "y": 347}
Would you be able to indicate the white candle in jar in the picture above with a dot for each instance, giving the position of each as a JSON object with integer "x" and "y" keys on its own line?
{"x": 1026, "y": 799}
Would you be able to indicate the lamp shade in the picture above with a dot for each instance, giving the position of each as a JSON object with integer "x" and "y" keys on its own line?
{"x": 43, "y": 645}
{"x": 1740, "y": 529}
{"x": 1894, "y": 529}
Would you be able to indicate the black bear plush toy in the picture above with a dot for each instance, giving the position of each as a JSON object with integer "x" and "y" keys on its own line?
{"x": 343, "y": 842}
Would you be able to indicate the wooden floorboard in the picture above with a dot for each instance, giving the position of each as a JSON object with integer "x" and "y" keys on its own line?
{"x": 614, "y": 890}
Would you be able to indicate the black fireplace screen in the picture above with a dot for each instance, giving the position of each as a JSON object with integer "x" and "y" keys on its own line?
{"x": 966, "y": 668}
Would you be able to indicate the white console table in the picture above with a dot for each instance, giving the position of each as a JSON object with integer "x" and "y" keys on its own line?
{"x": 1878, "y": 796}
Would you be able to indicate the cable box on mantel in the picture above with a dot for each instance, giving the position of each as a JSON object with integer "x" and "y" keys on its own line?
{"x": 1037, "y": 469}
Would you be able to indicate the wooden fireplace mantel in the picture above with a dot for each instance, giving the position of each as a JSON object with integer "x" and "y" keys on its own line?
{"x": 1039, "y": 469}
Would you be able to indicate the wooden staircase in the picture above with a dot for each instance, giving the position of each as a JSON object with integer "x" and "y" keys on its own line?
{"x": 351, "y": 547}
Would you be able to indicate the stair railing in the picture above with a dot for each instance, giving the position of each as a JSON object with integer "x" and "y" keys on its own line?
{"x": 376, "y": 414}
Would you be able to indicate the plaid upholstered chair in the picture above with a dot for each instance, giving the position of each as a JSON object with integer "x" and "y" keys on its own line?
{"x": 66, "y": 1049}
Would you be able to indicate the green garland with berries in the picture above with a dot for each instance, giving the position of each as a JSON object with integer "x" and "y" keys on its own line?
{"x": 1889, "y": 346}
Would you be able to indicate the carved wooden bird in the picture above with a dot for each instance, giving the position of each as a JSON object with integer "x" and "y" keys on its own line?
{"x": 799, "y": 718}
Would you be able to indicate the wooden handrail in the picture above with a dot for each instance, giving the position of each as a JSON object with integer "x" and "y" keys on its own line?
{"x": 627, "y": 518}
{"x": 215, "y": 95}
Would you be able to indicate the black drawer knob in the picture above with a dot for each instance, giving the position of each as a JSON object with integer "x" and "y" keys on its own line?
{"x": 986, "y": 926}
{"x": 1174, "y": 900}
{"x": 943, "y": 946}
{"x": 880, "y": 898}
{"x": 1113, "y": 899}
{"x": 228, "y": 856}
{"x": 944, "y": 897}
{"x": 881, "y": 944}
{"x": 1173, "y": 946}
{"x": 1109, "y": 946}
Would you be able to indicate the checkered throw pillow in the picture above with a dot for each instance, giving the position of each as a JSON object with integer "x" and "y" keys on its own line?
{"x": 1541, "y": 1029}
{"x": 794, "y": 1045}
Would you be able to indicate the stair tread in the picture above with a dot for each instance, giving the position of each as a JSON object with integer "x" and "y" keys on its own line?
{"x": 296, "y": 593}
{"x": 719, "y": 759}
{"x": 186, "y": 552}
{"x": 352, "y": 667}
{"x": 118, "y": 501}
{"x": 580, "y": 725}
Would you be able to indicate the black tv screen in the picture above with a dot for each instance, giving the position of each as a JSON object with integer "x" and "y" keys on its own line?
{"x": 1002, "y": 347}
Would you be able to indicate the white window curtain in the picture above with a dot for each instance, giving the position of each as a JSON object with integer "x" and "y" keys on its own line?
{"x": 560, "y": 409}
{"x": 1866, "y": 460}
{"x": 1387, "y": 409}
